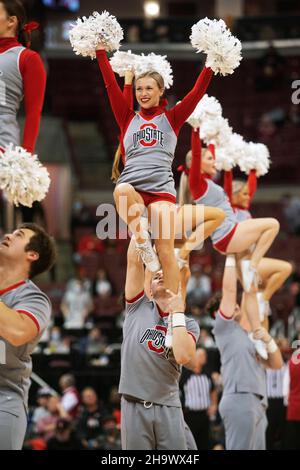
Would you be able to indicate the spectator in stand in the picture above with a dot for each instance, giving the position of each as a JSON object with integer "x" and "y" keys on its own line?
{"x": 206, "y": 340}
{"x": 76, "y": 305}
{"x": 70, "y": 400}
{"x": 89, "y": 424}
{"x": 93, "y": 343}
{"x": 102, "y": 285}
{"x": 291, "y": 390}
{"x": 90, "y": 243}
{"x": 199, "y": 287}
{"x": 270, "y": 70}
{"x": 266, "y": 129}
{"x": 115, "y": 404}
{"x": 46, "y": 425}
{"x": 81, "y": 216}
{"x": 57, "y": 343}
{"x": 291, "y": 211}
{"x": 200, "y": 400}
{"x": 43, "y": 395}
{"x": 294, "y": 115}
{"x": 201, "y": 317}
{"x": 111, "y": 437}
{"x": 64, "y": 438}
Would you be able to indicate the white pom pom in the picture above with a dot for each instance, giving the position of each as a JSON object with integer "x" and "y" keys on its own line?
{"x": 263, "y": 159}
{"x": 214, "y": 39}
{"x": 121, "y": 62}
{"x": 207, "y": 108}
{"x": 22, "y": 177}
{"x": 232, "y": 151}
{"x": 154, "y": 63}
{"x": 224, "y": 159}
{"x": 256, "y": 157}
{"x": 97, "y": 29}
{"x": 216, "y": 131}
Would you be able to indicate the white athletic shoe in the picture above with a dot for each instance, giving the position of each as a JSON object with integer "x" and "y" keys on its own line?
{"x": 249, "y": 275}
{"x": 263, "y": 306}
{"x": 169, "y": 333}
{"x": 260, "y": 347}
{"x": 182, "y": 263}
{"x": 147, "y": 254}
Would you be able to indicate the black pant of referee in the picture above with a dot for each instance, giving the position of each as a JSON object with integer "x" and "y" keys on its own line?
{"x": 199, "y": 424}
{"x": 276, "y": 413}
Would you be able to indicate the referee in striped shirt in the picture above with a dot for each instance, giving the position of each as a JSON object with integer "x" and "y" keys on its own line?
{"x": 199, "y": 399}
{"x": 276, "y": 411}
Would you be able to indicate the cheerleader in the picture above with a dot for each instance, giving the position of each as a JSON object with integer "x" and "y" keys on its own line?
{"x": 193, "y": 224}
{"x": 272, "y": 272}
{"x": 149, "y": 139}
{"x": 22, "y": 74}
{"x": 231, "y": 237}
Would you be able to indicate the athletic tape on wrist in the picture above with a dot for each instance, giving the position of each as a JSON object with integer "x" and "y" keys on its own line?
{"x": 178, "y": 319}
{"x": 272, "y": 346}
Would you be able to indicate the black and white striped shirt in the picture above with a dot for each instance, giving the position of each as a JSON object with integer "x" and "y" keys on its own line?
{"x": 196, "y": 390}
{"x": 275, "y": 382}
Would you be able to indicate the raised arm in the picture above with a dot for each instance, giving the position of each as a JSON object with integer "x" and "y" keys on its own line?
{"x": 127, "y": 90}
{"x": 197, "y": 182}
{"x": 34, "y": 84}
{"x": 119, "y": 105}
{"x": 179, "y": 113}
{"x": 228, "y": 184}
{"x": 134, "y": 285}
{"x": 183, "y": 343}
{"x": 252, "y": 184}
{"x": 229, "y": 288}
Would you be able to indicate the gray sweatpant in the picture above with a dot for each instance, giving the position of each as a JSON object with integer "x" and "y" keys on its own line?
{"x": 244, "y": 420}
{"x": 157, "y": 428}
{"x": 12, "y": 429}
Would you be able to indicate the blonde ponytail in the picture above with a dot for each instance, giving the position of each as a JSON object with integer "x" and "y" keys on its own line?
{"x": 115, "y": 172}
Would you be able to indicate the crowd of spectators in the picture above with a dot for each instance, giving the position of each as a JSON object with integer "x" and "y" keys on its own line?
{"x": 73, "y": 420}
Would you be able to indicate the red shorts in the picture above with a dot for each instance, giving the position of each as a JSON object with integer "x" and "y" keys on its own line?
{"x": 149, "y": 198}
{"x": 224, "y": 242}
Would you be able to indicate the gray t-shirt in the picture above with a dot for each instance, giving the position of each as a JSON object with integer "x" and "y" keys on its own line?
{"x": 148, "y": 369}
{"x": 11, "y": 94}
{"x": 240, "y": 370}
{"x": 15, "y": 362}
{"x": 149, "y": 149}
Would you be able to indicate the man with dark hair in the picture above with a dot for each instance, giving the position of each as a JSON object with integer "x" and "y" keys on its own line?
{"x": 24, "y": 314}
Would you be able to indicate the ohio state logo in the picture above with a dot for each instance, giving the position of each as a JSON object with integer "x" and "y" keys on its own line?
{"x": 155, "y": 338}
{"x": 148, "y": 135}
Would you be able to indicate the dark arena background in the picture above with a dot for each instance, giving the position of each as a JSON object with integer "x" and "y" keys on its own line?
{"x": 80, "y": 350}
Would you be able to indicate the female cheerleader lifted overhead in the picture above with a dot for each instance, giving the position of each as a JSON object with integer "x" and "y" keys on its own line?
{"x": 193, "y": 224}
{"x": 231, "y": 237}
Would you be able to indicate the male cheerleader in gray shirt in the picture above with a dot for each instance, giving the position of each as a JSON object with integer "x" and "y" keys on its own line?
{"x": 243, "y": 404}
{"x": 152, "y": 417}
{"x": 24, "y": 314}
